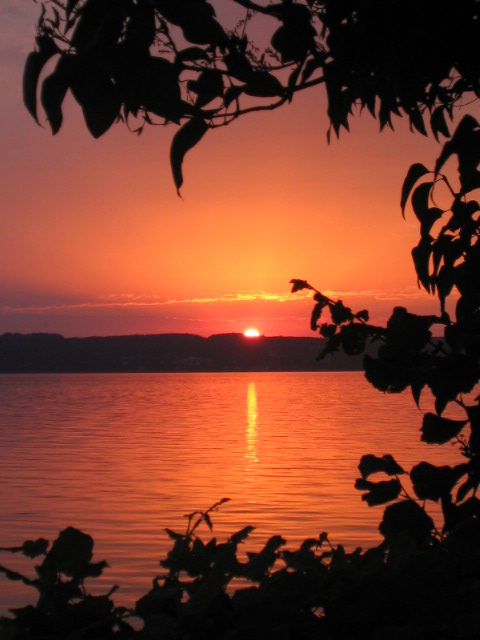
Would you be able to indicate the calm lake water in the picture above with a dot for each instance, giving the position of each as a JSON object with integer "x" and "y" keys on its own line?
{"x": 124, "y": 456}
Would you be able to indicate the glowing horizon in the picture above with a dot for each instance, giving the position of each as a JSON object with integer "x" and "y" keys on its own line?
{"x": 98, "y": 243}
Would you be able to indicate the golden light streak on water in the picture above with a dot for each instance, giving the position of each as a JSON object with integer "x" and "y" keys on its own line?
{"x": 252, "y": 413}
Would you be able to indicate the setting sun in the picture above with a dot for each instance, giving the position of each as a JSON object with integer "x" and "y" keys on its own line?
{"x": 251, "y": 333}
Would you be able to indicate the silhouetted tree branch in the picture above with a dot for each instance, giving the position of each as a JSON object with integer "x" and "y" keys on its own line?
{"x": 172, "y": 61}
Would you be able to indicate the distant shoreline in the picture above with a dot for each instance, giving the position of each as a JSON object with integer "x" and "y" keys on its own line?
{"x": 166, "y": 353}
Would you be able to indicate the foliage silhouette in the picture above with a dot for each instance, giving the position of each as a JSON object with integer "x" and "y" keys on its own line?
{"x": 401, "y": 588}
{"x": 150, "y": 62}
{"x": 446, "y": 259}
{"x": 146, "y": 62}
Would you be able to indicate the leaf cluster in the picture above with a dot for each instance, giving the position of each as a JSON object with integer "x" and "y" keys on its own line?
{"x": 148, "y": 62}
{"x": 64, "y": 608}
{"x": 346, "y": 330}
{"x": 446, "y": 261}
{"x": 318, "y": 590}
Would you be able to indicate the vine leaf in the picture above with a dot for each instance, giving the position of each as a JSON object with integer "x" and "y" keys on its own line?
{"x": 185, "y": 138}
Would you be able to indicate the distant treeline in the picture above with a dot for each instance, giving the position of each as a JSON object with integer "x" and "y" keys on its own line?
{"x": 52, "y": 353}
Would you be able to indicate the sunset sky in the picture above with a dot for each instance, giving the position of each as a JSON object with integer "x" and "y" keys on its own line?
{"x": 95, "y": 240}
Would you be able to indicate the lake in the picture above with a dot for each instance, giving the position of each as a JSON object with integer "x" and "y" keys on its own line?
{"x": 124, "y": 456}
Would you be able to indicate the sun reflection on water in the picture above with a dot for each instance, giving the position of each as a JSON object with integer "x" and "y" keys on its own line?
{"x": 252, "y": 413}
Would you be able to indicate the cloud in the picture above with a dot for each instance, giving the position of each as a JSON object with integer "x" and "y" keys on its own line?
{"x": 126, "y": 301}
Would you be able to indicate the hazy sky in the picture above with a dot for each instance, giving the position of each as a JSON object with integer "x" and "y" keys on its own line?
{"x": 96, "y": 241}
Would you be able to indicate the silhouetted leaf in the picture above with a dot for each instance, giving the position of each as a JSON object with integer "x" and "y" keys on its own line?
{"x": 465, "y": 143}
{"x": 173, "y": 535}
{"x": 353, "y": 337}
{"x": 296, "y": 37}
{"x": 379, "y": 492}
{"x": 340, "y": 313}
{"x": 385, "y": 114}
{"x": 292, "y": 81}
{"x": 231, "y": 94}
{"x": 421, "y": 258}
{"x": 94, "y": 569}
{"x": 432, "y": 215}
{"x": 452, "y": 374}
{"x": 239, "y": 65}
{"x": 311, "y": 65}
{"x": 140, "y": 28}
{"x": 259, "y": 563}
{"x": 440, "y": 248}
{"x": 185, "y": 138}
{"x": 263, "y": 84}
{"x": 208, "y": 521}
{"x": 406, "y": 517}
{"x": 362, "y": 315}
{"x": 414, "y": 174}
{"x": 416, "y": 387}
{"x": 316, "y": 314}
{"x": 372, "y": 464}
{"x": 97, "y": 95}
{"x": 198, "y": 24}
{"x": 152, "y": 82}
{"x": 390, "y": 373}
{"x": 298, "y": 285}
{"x": 416, "y": 121}
{"x": 34, "y": 548}
{"x": 438, "y": 430}
{"x": 438, "y": 123}
{"x": 407, "y": 333}
{"x": 70, "y": 554}
{"x": 209, "y": 85}
{"x": 328, "y": 330}
{"x": 33, "y": 67}
{"x": 420, "y": 200}
{"x": 465, "y": 488}
{"x": 241, "y": 535}
{"x": 431, "y": 482}
{"x": 445, "y": 282}
{"x": 191, "y": 54}
{"x": 98, "y": 27}
{"x": 54, "y": 89}
{"x": 462, "y": 213}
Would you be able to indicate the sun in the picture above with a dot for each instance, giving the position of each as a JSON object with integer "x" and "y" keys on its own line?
{"x": 251, "y": 333}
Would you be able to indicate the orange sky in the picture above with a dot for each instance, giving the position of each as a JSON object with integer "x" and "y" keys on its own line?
{"x": 96, "y": 241}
